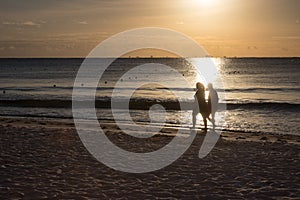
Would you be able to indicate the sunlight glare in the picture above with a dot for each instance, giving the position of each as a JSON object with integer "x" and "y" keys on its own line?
{"x": 205, "y": 2}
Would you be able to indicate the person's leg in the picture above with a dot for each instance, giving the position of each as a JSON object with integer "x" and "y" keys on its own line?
{"x": 194, "y": 118}
{"x": 213, "y": 119}
{"x": 204, "y": 120}
{"x": 209, "y": 118}
{"x": 205, "y": 123}
{"x": 209, "y": 111}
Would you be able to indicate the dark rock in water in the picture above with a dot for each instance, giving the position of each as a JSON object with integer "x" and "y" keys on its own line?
{"x": 105, "y": 82}
{"x": 264, "y": 138}
{"x": 281, "y": 141}
{"x": 54, "y": 85}
{"x": 225, "y": 136}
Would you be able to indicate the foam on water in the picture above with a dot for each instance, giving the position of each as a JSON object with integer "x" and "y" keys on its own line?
{"x": 262, "y": 95}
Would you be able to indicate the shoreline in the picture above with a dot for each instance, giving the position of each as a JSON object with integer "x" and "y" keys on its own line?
{"x": 155, "y": 57}
{"x": 67, "y": 123}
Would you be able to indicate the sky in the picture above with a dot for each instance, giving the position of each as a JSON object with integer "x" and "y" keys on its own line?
{"x": 72, "y": 28}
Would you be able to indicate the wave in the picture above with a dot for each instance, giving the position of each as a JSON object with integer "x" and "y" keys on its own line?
{"x": 234, "y": 90}
{"x": 47, "y": 88}
{"x": 264, "y": 105}
{"x": 263, "y": 90}
{"x": 145, "y": 104}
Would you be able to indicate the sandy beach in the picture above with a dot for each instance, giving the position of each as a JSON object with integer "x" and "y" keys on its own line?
{"x": 45, "y": 159}
{"x": 195, "y": 99}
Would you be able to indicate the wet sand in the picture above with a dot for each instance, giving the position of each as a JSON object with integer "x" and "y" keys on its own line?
{"x": 46, "y": 159}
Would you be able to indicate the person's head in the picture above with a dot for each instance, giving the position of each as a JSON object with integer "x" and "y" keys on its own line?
{"x": 199, "y": 86}
{"x": 210, "y": 86}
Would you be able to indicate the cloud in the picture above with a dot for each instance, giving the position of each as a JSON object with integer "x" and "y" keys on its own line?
{"x": 286, "y": 37}
{"x": 77, "y": 36}
{"x": 67, "y": 47}
{"x": 252, "y": 47}
{"x": 30, "y": 23}
{"x": 8, "y": 6}
{"x": 8, "y": 23}
{"x": 82, "y": 22}
{"x": 6, "y": 48}
{"x": 25, "y": 23}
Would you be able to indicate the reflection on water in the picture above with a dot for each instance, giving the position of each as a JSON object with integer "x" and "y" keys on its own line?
{"x": 262, "y": 94}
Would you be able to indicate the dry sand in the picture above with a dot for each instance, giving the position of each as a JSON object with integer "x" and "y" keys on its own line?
{"x": 46, "y": 159}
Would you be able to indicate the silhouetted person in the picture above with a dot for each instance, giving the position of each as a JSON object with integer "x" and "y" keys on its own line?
{"x": 200, "y": 105}
{"x": 213, "y": 100}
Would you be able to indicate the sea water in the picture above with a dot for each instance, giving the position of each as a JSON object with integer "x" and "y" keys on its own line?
{"x": 261, "y": 94}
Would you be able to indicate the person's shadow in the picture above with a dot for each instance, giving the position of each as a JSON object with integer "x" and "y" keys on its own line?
{"x": 210, "y": 140}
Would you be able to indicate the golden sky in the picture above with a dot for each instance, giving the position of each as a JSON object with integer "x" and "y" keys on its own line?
{"x": 72, "y": 28}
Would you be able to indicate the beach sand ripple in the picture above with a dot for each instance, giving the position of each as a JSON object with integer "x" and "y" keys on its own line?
{"x": 49, "y": 161}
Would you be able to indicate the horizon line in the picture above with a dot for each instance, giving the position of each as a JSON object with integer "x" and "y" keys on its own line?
{"x": 150, "y": 57}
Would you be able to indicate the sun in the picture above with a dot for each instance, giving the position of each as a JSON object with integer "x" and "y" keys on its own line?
{"x": 205, "y": 2}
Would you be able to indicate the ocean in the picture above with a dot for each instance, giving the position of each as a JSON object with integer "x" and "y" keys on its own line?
{"x": 260, "y": 94}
